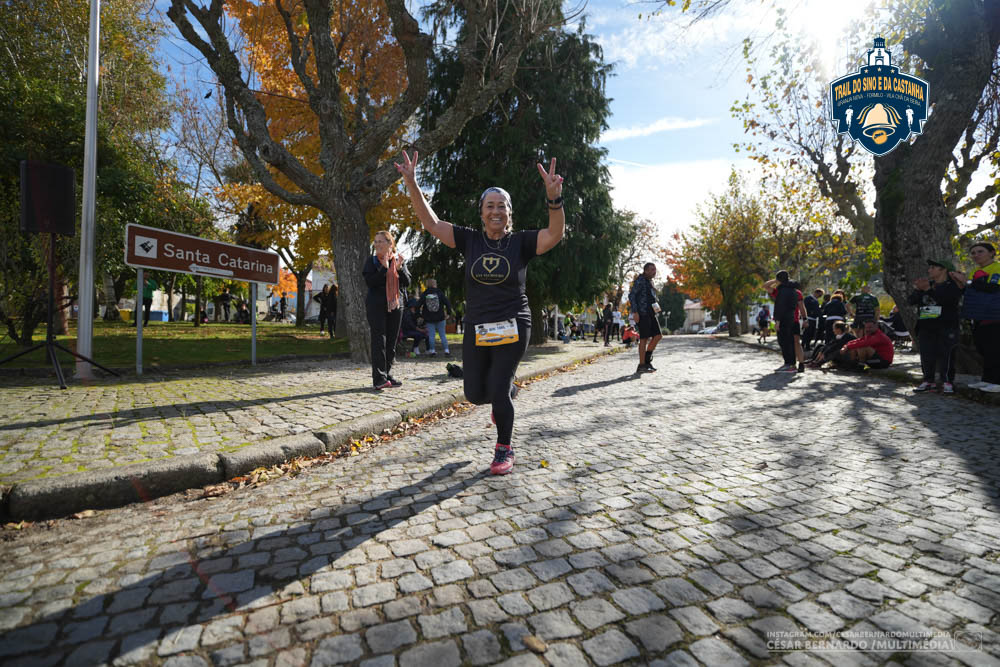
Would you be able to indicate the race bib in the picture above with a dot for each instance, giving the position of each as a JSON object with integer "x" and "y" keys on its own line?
{"x": 930, "y": 312}
{"x": 496, "y": 333}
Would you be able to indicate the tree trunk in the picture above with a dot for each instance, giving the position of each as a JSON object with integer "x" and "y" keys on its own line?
{"x": 110, "y": 299}
{"x": 733, "y": 328}
{"x": 350, "y": 241}
{"x": 537, "y": 321}
{"x": 300, "y": 296}
{"x": 171, "y": 282}
{"x": 183, "y": 304}
{"x": 958, "y": 43}
{"x": 197, "y": 301}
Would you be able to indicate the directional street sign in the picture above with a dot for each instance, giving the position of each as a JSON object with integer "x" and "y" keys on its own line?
{"x": 152, "y": 248}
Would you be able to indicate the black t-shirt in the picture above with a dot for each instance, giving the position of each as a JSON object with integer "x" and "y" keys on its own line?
{"x": 495, "y": 274}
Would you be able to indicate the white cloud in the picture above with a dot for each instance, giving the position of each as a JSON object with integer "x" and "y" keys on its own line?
{"x": 662, "y": 125}
{"x": 668, "y": 193}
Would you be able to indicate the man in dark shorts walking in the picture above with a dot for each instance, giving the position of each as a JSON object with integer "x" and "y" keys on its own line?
{"x": 644, "y": 308}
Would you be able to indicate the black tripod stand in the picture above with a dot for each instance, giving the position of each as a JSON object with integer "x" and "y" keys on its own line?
{"x": 50, "y": 343}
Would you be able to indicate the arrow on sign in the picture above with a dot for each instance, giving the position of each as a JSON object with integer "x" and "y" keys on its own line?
{"x": 195, "y": 268}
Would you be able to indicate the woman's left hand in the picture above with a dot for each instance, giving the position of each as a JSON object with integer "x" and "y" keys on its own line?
{"x": 553, "y": 181}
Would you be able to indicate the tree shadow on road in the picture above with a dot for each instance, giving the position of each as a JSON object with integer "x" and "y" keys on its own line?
{"x": 193, "y": 589}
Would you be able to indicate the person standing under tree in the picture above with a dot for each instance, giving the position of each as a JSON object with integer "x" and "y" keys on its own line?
{"x": 385, "y": 273}
{"x": 607, "y": 319}
{"x": 937, "y": 324}
{"x": 498, "y": 317}
{"x": 321, "y": 299}
{"x": 226, "y": 299}
{"x": 644, "y": 306}
{"x": 149, "y": 285}
{"x": 434, "y": 307}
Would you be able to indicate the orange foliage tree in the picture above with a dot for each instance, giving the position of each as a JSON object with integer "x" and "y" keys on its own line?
{"x": 319, "y": 95}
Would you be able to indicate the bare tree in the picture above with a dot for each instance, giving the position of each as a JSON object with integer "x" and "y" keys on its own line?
{"x": 354, "y": 170}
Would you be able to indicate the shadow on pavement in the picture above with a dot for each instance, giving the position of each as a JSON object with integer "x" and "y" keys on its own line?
{"x": 187, "y": 590}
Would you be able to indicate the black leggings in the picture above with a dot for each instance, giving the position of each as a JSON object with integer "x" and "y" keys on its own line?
{"x": 489, "y": 372}
{"x": 385, "y": 334}
{"x": 937, "y": 352}
{"x": 987, "y": 340}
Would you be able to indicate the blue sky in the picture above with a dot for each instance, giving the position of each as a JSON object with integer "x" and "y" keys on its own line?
{"x": 671, "y": 135}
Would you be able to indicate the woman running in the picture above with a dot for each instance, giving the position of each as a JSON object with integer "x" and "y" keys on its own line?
{"x": 497, "y": 317}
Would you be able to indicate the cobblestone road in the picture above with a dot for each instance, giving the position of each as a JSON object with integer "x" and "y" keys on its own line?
{"x": 48, "y": 432}
{"x": 684, "y": 517}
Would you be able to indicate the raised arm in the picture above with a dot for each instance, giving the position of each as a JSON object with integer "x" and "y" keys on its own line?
{"x": 439, "y": 229}
{"x": 552, "y": 235}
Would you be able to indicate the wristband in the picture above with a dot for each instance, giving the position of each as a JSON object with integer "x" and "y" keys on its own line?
{"x": 554, "y": 202}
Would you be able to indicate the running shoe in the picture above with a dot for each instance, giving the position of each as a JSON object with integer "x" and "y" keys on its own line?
{"x": 788, "y": 369}
{"x": 503, "y": 460}
{"x": 433, "y": 354}
{"x": 384, "y": 385}
{"x": 394, "y": 382}
{"x": 447, "y": 353}
{"x": 783, "y": 367}
{"x": 990, "y": 388}
{"x": 926, "y": 386}
{"x": 649, "y": 368}
{"x": 801, "y": 368}
{"x": 640, "y": 369}
{"x": 947, "y": 388}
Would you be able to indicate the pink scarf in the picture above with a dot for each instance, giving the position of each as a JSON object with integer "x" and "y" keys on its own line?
{"x": 392, "y": 286}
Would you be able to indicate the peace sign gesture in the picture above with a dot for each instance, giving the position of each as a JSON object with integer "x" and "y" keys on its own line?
{"x": 553, "y": 181}
{"x": 409, "y": 167}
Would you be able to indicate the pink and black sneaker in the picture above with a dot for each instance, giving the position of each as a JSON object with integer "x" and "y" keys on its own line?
{"x": 503, "y": 460}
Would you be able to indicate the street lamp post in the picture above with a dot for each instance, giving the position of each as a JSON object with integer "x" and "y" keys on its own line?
{"x": 85, "y": 288}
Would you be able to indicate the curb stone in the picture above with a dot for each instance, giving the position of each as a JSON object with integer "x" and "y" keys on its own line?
{"x": 111, "y": 487}
{"x": 269, "y": 453}
{"x": 140, "y": 482}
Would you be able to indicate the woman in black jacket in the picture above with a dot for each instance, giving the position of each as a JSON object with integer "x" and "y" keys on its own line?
{"x": 833, "y": 311}
{"x": 385, "y": 273}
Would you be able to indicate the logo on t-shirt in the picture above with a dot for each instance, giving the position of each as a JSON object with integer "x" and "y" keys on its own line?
{"x": 490, "y": 269}
{"x": 432, "y": 303}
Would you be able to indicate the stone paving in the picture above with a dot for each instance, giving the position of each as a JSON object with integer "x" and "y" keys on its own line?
{"x": 48, "y": 432}
{"x": 703, "y": 514}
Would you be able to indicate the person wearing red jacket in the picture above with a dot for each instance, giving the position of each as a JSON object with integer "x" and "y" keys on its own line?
{"x": 873, "y": 349}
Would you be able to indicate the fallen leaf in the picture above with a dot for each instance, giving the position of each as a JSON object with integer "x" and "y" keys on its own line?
{"x": 84, "y": 514}
{"x": 544, "y": 463}
{"x": 216, "y": 490}
{"x": 534, "y": 643}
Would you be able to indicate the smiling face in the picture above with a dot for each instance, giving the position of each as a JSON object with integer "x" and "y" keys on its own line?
{"x": 495, "y": 213}
{"x": 382, "y": 245}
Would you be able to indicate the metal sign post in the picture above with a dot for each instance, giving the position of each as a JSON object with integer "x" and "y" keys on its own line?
{"x": 152, "y": 248}
{"x": 138, "y": 321}
{"x": 253, "y": 324}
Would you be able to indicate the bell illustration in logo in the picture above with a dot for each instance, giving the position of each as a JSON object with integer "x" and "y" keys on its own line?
{"x": 878, "y": 122}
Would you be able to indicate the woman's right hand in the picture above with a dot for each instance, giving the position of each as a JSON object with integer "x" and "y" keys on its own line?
{"x": 409, "y": 167}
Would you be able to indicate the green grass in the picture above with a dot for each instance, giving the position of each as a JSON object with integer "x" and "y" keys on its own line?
{"x": 182, "y": 344}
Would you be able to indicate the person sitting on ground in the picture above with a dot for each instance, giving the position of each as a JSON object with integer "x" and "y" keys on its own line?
{"x": 873, "y": 349}
{"x": 895, "y": 320}
{"x": 823, "y": 353}
{"x": 411, "y": 329}
{"x": 242, "y": 313}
